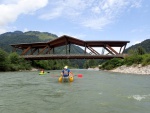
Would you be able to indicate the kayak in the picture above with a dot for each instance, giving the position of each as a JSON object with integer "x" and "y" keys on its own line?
{"x": 67, "y": 79}
{"x": 71, "y": 78}
{"x": 42, "y": 73}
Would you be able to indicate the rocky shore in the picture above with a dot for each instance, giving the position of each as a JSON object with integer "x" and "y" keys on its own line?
{"x": 34, "y": 69}
{"x": 96, "y": 68}
{"x": 135, "y": 69}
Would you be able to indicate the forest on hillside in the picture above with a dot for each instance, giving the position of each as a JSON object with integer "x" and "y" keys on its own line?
{"x": 19, "y": 37}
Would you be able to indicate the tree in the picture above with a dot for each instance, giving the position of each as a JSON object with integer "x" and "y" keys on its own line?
{"x": 132, "y": 52}
{"x": 86, "y": 64}
{"x": 141, "y": 50}
{"x": 14, "y": 58}
{"x": 3, "y": 60}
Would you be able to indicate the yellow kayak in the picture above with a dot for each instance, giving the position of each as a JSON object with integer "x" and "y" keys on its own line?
{"x": 70, "y": 79}
{"x": 41, "y": 73}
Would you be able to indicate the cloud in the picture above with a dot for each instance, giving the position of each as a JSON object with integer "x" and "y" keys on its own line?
{"x": 133, "y": 42}
{"x": 137, "y": 30}
{"x": 137, "y": 42}
{"x": 4, "y": 29}
{"x": 11, "y": 9}
{"x": 137, "y": 3}
{"x": 59, "y": 8}
{"x": 54, "y": 14}
{"x": 95, "y": 14}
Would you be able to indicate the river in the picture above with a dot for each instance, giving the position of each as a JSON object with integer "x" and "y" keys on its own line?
{"x": 94, "y": 92}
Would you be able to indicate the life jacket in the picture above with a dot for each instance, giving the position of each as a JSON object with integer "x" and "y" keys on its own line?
{"x": 65, "y": 72}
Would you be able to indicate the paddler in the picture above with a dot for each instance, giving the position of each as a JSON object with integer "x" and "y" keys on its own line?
{"x": 42, "y": 71}
{"x": 65, "y": 73}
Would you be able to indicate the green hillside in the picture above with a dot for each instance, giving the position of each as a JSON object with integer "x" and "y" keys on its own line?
{"x": 35, "y": 36}
{"x": 41, "y": 35}
{"x": 31, "y": 37}
{"x": 145, "y": 45}
{"x": 19, "y": 37}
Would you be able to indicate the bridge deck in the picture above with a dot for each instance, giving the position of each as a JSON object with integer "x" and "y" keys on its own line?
{"x": 71, "y": 56}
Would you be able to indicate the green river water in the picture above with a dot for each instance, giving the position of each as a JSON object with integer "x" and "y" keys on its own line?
{"x": 95, "y": 92}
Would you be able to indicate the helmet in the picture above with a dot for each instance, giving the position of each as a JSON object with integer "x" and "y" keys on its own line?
{"x": 65, "y": 67}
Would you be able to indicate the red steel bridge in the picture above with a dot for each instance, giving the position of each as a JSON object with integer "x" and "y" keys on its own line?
{"x": 46, "y": 50}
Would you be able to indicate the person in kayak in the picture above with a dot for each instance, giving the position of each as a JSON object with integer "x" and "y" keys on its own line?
{"x": 65, "y": 73}
{"x": 42, "y": 71}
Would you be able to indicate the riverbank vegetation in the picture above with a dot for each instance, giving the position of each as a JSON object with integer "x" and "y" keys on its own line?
{"x": 12, "y": 62}
{"x": 135, "y": 57}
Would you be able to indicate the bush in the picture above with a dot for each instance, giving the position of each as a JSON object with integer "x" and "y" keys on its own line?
{"x": 13, "y": 67}
{"x": 17, "y": 63}
{"x": 141, "y": 50}
{"x": 137, "y": 51}
{"x": 146, "y": 60}
{"x": 12, "y": 62}
{"x": 129, "y": 60}
{"x": 113, "y": 63}
{"x": 133, "y": 59}
{"x": 3, "y": 60}
{"x": 14, "y": 58}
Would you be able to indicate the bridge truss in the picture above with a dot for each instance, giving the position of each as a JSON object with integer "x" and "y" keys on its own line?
{"x": 46, "y": 50}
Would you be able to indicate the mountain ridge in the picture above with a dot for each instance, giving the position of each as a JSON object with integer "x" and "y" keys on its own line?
{"x": 144, "y": 44}
{"x": 31, "y": 37}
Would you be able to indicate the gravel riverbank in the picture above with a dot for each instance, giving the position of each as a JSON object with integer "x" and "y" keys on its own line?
{"x": 135, "y": 69}
{"x": 138, "y": 69}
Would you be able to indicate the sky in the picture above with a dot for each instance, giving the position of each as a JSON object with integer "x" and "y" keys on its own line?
{"x": 123, "y": 20}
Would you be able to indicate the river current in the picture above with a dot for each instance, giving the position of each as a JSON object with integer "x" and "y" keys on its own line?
{"x": 94, "y": 92}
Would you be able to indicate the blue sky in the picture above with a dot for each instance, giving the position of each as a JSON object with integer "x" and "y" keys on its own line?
{"x": 127, "y": 20}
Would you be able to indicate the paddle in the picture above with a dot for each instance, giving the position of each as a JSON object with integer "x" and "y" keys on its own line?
{"x": 79, "y": 75}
